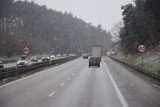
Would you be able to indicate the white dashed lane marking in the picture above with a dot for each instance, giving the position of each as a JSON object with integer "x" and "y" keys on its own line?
{"x": 51, "y": 94}
{"x": 62, "y": 84}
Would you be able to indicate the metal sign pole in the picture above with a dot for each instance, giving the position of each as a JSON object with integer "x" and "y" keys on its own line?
{"x": 142, "y": 60}
{"x": 141, "y": 49}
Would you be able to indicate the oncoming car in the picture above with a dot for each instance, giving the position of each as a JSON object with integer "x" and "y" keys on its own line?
{"x": 23, "y": 61}
{"x": 52, "y": 57}
{"x": 58, "y": 56}
{"x": 34, "y": 59}
{"x": 45, "y": 58}
{"x": 64, "y": 55}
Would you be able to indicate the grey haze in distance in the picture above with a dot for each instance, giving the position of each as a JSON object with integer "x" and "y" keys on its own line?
{"x": 104, "y": 12}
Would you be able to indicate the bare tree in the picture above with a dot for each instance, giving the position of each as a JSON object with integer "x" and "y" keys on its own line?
{"x": 115, "y": 31}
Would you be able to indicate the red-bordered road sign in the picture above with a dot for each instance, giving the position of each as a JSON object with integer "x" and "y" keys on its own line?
{"x": 26, "y": 50}
{"x": 141, "y": 48}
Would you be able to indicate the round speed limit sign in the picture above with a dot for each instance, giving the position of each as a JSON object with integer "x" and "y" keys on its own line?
{"x": 141, "y": 48}
{"x": 26, "y": 50}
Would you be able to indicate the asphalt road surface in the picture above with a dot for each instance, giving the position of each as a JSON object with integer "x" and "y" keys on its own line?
{"x": 74, "y": 84}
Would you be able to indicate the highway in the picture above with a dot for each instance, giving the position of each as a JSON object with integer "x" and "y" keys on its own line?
{"x": 74, "y": 84}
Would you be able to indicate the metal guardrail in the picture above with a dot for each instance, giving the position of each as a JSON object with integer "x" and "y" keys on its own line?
{"x": 14, "y": 71}
{"x": 142, "y": 70}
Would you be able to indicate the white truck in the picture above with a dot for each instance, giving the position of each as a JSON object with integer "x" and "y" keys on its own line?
{"x": 97, "y": 51}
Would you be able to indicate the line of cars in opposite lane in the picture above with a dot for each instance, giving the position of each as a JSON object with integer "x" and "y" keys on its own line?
{"x": 25, "y": 60}
{"x": 46, "y": 58}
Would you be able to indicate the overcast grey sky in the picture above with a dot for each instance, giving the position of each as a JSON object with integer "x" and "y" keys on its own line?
{"x": 104, "y": 12}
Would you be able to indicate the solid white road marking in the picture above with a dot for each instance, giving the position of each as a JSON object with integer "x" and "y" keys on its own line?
{"x": 156, "y": 85}
{"x": 68, "y": 78}
{"x": 51, "y": 94}
{"x": 123, "y": 101}
{"x": 62, "y": 84}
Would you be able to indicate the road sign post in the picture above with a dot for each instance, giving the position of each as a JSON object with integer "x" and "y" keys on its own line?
{"x": 141, "y": 49}
{"x": 142, "y": 60}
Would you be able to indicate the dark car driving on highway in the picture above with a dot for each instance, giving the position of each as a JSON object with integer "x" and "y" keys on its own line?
{"x": 45, "y": 58}
{"x": 94, "y": 61}
{"x": 85, "y": 56}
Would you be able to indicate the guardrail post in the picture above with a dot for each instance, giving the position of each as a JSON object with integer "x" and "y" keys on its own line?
{"x": 142, "y": 60}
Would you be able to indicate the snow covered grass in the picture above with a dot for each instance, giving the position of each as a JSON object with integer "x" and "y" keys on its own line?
{"x": 151, "y": 59}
